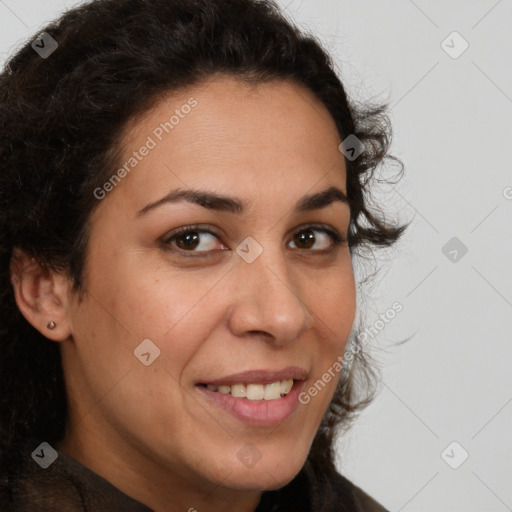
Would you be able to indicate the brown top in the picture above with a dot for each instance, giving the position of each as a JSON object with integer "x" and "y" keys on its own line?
{"x": 34, "y": 477}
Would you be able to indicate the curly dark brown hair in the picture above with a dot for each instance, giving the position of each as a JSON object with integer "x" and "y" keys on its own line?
{"x": 60, "y": 120}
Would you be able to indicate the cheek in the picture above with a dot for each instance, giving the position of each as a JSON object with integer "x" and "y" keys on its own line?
{"x": 147, "y": 298}
{"x": 163, "y": 307}
{"x": 332, "y": 299}
{"x": 334, "y": 305}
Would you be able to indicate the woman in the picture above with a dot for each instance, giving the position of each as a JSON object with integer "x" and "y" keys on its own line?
{"x": 184, "y": 186}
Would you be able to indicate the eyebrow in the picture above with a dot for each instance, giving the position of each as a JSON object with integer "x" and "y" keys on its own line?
{"x": 222, "y": 203}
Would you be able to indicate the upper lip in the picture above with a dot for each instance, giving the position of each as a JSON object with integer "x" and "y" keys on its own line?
{"x": 260, "y": 376}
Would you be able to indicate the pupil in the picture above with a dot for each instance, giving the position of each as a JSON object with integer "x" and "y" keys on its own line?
{"x": 305, "y": 238}
{"x": 188, "y": 241}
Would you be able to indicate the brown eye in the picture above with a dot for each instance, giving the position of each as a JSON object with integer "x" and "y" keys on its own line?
{"x": 188, "y": 241}
{"x": 318, "y": 239}
{"x": 304, "y": 239}
{"x": 193, "y": 240}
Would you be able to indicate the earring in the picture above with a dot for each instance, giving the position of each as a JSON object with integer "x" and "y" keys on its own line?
{"x": 51, "y": 325}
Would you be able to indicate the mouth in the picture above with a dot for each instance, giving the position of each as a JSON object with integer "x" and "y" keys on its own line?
{"x": 257, "y": 397}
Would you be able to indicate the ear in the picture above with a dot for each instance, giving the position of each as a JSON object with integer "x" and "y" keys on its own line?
{"x": 41, "y": 295}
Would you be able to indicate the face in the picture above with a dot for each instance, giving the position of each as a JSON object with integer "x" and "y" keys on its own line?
{"x": 196, "y": 306}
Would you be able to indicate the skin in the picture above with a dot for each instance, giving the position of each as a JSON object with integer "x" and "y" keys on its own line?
{"x": 147, "y": 429}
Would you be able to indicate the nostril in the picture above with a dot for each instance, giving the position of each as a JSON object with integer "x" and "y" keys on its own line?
{"x": 261, "y": 333}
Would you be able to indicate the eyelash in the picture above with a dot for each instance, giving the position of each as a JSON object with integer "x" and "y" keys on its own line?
{"x": 336, "y": 237}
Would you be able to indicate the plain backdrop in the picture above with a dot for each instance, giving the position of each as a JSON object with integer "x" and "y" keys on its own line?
{"x": 438, "y": 436}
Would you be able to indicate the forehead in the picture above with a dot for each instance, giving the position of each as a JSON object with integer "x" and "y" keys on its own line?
{"x": 227, "y": 133}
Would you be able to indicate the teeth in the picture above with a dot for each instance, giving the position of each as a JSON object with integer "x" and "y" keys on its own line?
{"x": 272, "y": 391}
{"x": 286, "y": 386}
{"x": 255, "y": 391}
{"x": 239, "y": 390}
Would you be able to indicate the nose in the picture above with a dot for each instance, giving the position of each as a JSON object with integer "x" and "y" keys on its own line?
{"x": 267, "y": 301}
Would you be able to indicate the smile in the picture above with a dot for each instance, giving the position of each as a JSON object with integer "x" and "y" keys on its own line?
{"x": 256, "y": 397}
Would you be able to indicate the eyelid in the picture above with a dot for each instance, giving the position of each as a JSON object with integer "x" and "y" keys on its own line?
{"x": 205, "y": 228}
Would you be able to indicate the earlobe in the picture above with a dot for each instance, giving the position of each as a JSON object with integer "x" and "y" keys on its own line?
{"x": 41, "y": 296}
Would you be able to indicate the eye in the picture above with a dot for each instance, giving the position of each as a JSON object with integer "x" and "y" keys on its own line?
{"x": 200, "y": 241}
{"x": 317, "y": 238}
{"x": 194, "y": 239}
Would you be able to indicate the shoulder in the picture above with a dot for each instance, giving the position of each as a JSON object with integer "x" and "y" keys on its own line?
{"x": 325, "y": 490}
{"x": 37, "y": 477}
{"x": 33, "y": 478}
{"x": 361, "y": 502}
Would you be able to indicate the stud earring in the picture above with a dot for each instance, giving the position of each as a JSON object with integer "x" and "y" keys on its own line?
{"x": 51, "y": 325}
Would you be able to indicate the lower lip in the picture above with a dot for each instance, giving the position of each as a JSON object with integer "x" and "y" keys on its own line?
{"x": 257, "y": 412}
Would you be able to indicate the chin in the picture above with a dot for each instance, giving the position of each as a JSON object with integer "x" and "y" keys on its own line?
{"x": 270, "y": 475}
{"x": 260, "y": 480}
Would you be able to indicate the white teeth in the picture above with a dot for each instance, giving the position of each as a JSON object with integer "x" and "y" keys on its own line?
{"x": 255, "y": 392}
{"x": 239, "y": 391}
{"x": 272, "y": 391}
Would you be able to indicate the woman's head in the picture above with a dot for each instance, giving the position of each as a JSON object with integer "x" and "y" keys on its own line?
{"x": 125, "y": 133}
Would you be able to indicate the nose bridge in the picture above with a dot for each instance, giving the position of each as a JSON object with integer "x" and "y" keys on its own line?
{"x": 268, "y": 298}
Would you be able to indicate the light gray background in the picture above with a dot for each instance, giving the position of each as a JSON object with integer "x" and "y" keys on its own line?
{"x": 452, "y": 128}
